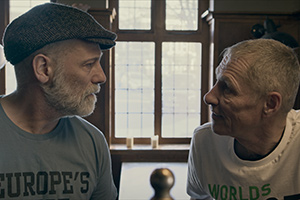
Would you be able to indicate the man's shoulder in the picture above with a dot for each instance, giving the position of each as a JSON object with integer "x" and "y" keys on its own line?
{"x": 294, "y": 115}
{"x": 203, "y": 129}
{"x": 81, "y": 122}
{"x": 83, "y": 126}
{"x": 293, "y": 118}
{"x": 203, "y": 132}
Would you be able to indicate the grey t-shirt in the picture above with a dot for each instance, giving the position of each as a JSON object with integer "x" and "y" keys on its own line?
{"x": 71, "y": 162}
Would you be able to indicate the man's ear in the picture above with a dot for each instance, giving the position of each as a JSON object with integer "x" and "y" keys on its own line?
{"x": 42, "y": 68}
{"x": 273, "y": 103}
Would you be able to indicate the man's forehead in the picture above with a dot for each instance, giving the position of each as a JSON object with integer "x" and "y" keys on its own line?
{"x": 239, "y": 65}
{"x": 222, "y": 66}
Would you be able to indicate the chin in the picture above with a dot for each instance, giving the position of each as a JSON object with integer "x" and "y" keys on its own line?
{"x": 88, "y": 110}
{"x": 87, "y": 113}
{"x": 88, "y": 106}
{"x": 83, "y": 109}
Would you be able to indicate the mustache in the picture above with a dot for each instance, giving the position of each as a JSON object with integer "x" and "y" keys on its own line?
{"x": 94, "y": 89}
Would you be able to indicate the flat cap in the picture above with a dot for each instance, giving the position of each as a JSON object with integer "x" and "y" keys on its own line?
{"x": 48, "y": 23}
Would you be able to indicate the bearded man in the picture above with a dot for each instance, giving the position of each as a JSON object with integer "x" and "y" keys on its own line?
{"x": 47, "y": 151}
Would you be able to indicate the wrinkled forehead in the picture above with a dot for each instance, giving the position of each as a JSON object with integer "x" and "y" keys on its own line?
{"x": 237, "y": 65}
{"x": 222, "y": 66}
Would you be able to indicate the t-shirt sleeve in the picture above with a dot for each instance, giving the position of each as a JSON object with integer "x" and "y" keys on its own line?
{"x": 105, "y": 188}
{"x": 194, "y": 186}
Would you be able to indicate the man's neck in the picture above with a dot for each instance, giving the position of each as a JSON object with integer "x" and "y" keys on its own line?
{"x": 29, "y": 114}
{"x": 257, "y": 150}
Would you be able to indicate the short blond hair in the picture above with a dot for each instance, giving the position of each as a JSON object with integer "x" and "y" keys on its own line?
{"x": 273, "y": 66}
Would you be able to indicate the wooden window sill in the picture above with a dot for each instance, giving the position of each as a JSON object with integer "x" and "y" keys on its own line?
{"x": 145, "y": 153}
{"x": 144, "y": 147}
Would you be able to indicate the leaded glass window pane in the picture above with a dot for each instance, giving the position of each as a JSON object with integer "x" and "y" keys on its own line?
{"x": 134, "y": 89}
{"x": 135, "y": 14}
{"x": 181, "y": 14}
{"x": 181, "y": 88}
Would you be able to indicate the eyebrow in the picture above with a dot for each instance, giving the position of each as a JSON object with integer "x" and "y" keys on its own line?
{"x": 226, "y": 80}
{"x": 96, "y": 57}
{"x": 93, "y": 59}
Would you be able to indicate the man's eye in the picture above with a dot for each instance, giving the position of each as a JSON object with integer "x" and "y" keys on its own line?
{"x": 89, "y": 64}
{"x": 225, "y": 88}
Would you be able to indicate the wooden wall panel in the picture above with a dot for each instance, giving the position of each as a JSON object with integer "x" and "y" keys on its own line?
{"x": 4, "y": 19}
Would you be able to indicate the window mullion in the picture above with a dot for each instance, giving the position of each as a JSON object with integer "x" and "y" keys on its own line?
{"x": 157, "y": 88}
{"x": 158, "y": 17}
{"x": 158, "y": 27}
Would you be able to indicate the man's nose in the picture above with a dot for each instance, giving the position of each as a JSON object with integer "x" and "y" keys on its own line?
{"x": 99, "y": 77}
{"x": 211, "y": 97}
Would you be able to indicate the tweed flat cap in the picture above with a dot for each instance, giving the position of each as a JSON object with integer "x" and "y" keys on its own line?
{"x": 49, "y": 23}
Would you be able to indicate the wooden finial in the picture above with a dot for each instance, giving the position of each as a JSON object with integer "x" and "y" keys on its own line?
{"x": 162, "y": 180}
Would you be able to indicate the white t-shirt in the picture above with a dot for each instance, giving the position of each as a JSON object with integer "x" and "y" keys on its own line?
{"x": 216, "y": 172}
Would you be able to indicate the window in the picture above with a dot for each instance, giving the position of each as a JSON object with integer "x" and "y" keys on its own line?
{"x": 181, "y": 77}
{"x": 135, "y": 14}
{"x": 158, "y": 70}
{"x": 16, "y": 8}
{"x": 134, "y": 89}
{"x": 181, "y": 15}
